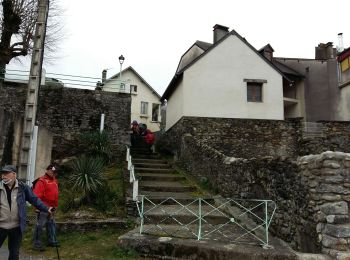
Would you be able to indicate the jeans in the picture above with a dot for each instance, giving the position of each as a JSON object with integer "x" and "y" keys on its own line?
{"x": 14, "y": 241}
{"x": 43, "y": 219}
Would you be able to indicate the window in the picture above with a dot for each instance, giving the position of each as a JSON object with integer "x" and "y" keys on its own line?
{"x": 345, "y": 64}
{"x": 254, "y": 92}
{"x": 155, "y": 112}
{"x": 133, "y": 88}
{"x": 144, "y": 108}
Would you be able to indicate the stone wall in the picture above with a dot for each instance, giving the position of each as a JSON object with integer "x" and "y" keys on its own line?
{"x": 327, "y": 177}
{"x": 244, "y": 138}
{"x": 331, "y": 136}
{"x": 68, "y": 112}
{"x": 255, "y": 178}
{"x": 250, "y": 138}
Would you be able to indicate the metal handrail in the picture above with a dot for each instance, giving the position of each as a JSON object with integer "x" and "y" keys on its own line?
{"x": 132, "y": 177}
{"x": 202, "y": 224}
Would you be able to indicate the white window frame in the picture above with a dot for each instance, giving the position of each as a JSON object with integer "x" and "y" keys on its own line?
{"x": 144, "y": 108}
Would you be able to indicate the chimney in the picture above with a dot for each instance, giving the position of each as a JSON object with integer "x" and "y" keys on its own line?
{"x": 325, "y": 51}
{"x": 340, "y": 40}
{"x": 219, "y": 32}
{"x": 104, "y": 75}
{"x": 267, "y": 52}
{"x": 330, "y": 50}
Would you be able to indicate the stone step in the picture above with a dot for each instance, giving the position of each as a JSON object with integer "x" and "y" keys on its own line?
{"x": 148, "y": 161}
{"x": 155, "y": 170}
{"x": 165, "y": 186}
{"x": 218, "y": 247}
{"x": 151, "y": 165}
{"x": 146, "y": 156}
{"x": 170, "y": 214}
{"x": 160, "y": 177}
{"x": 167, "y": 198}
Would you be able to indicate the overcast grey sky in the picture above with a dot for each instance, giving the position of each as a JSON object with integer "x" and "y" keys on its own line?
{"x": 152, "y": 35}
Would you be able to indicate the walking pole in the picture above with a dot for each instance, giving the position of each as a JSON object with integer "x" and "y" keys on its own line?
{"x": 53, "y": 230}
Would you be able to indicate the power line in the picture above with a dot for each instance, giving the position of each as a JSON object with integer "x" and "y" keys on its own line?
{"x": 58, "y": 74}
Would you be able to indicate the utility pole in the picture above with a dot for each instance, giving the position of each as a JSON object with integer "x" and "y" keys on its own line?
{"x": 33, "y": 90}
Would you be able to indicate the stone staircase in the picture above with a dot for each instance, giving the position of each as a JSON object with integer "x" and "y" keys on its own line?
{"x": 171, "y": 203}
{"x": 158, "y": 180}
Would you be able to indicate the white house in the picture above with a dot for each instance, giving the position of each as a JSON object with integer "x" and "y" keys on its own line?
{"x": 226, "y": 79}
{"x": 145, "y": 101}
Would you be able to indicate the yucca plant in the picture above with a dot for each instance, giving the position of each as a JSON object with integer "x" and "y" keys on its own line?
{"x": 87, "y": 175}
{"x": 97, "y": 144}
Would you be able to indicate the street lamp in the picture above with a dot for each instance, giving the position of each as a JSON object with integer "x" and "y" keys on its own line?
{"x": 121, "y": 61}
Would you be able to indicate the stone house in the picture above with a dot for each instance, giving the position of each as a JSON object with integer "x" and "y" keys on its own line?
{"x": 229, "y": 79}
{"x": 235, "y": 80}
{"x": 145, "y": 101}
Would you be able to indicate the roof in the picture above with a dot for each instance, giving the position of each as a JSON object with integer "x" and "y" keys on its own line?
{"x": 173, "y": 83}
{"x": 344, "y": 54}
{"x": 141, "y": 78}
{"x": 266, "y": 47}
{"x": 203, "y": 45}
{"x": 285, "y": 69}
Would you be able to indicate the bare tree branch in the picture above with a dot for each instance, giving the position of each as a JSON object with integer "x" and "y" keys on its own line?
{"x": 17, "y": 27}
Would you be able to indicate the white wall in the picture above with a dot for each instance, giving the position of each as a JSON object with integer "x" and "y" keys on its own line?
{"x": 214, "y": 86}
{"x": 175, "y": 105}
{"x": 144, "y": 93}
{"x": 344, "y": 103}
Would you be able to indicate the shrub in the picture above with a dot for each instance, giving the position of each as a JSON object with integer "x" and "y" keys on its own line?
{"x": 96, "y": 144}
{"x": 87, "y": 174}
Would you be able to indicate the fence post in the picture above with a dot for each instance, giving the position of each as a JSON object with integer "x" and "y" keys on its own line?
{"x": 199, "y": 219}
{"x": 266, "y": 226}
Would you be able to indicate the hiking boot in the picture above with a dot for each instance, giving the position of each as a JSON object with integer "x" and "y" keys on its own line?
{"x": 38, "y": 248}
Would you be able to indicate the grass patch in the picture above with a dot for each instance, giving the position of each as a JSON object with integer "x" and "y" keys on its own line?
{"x": 89, "y": 245}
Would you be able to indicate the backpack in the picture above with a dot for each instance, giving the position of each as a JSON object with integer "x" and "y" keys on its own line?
{"x": 34, "y": 183}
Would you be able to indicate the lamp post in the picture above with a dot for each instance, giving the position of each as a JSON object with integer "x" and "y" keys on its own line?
{"x": 121, "y": 61}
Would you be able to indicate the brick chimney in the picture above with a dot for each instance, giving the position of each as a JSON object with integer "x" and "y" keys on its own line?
{"x": 219, "y": 32}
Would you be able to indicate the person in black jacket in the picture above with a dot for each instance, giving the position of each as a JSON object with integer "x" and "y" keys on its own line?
{"x": 13, "y": 215}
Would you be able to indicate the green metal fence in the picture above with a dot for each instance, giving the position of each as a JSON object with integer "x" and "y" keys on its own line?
{"x": 233, "y": 220}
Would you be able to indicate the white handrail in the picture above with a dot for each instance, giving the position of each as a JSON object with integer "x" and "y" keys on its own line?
{"x": 132, "y": 177}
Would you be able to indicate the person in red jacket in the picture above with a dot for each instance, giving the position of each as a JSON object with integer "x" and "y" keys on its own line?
{"x": 46, "y": 188}
{"x": 149, "y": 138}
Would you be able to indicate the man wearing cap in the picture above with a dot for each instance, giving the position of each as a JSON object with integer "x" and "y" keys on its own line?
{"x": 13, "y": 215}
{"x": 46, "y": 188}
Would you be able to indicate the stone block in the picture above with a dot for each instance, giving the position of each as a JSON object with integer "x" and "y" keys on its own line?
{"x": 339, "y": 231}
{"x": 335, "y": 243}
{"x": 331, "y": 197}
{"x": 332, "y": 188}
{"x": 334, "y": 179}
{"x": 313, "y": 184}
{"x": 337, "y": 219}
{"x": 320, "y": 217}
{"x": 319, "y": 227}
{"x": 343, "y": 255}
{"x": 336, "y": 208}
{"x": 346, "y": 197}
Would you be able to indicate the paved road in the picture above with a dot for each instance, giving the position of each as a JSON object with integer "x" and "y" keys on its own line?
{"x": 4, "y": 255}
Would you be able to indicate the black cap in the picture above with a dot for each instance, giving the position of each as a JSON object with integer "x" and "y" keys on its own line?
{"x": 53, "y": 167}
{"x": 9, "y": 168}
